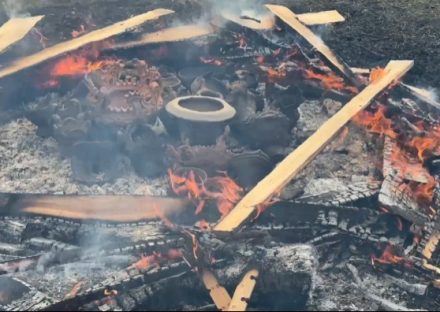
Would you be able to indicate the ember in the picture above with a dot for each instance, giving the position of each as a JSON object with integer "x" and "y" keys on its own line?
{"x": 388, "y": 257}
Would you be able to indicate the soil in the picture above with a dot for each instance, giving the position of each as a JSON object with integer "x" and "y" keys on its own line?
{"x": 374, "y": 32}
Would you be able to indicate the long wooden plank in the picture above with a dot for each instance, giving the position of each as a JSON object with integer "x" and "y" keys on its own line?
{"x": 78, "y": 42}
{"x": 171, "y": 34}
{"x": 299, "y": 158}
{"x": 291, "y": 19}
{"x": 319, "y": 18}
{"x": 114, "y": 208}
{"x": 15, "y": 29}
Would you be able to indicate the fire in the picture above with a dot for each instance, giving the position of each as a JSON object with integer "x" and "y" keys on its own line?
{"x": 211, "y": 60}
{"x": 77, "y": 65}
{"x": 226, "y": 192}
{"x": 154, "y": 260}
{"x": 222, "y": 189}
{"x": 376, "y": 122}
{"x": 424, "y": 192}
{"x": 388, "y": 257}
{"x": 376, "y": 73}
{"x": 330, "y": 81}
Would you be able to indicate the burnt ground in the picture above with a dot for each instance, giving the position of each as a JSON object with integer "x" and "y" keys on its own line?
{"x": 374, "y": 32}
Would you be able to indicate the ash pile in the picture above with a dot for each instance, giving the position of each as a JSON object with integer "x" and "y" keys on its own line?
{"x": 182, "y": 124}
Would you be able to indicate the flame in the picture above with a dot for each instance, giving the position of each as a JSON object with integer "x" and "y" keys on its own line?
{"x": 388, "y": 257}
{"x": 211, "y": 60}
{"x": 222, "y": 189}
{"x": 424, "y": 192}
{"x": 376, "y": 73}
{"x": 330, "y": 81}
{"x": 376, "y": 122}
{"x": 146, "y": 262}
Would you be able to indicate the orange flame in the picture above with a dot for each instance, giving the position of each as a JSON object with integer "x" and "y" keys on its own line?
{"x": 75, "y": 289}
{"x": 222, "y": 189}
{"x": 376, "y": 73}
{"x": 388, "y": 257}
{"x": 330, "y": 81}
{"x": 376, "y": 122}
{"x": 77, "y": 65}
{"x": 154, "y": 260}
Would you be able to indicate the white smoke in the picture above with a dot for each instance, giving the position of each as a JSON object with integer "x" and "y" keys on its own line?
{"x": 14, "y": 8}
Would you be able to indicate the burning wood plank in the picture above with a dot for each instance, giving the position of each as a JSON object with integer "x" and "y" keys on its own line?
{"x": 178, "y": 33}
{"x": 15, "y": 29}
{"x": 78, "y": 42}
{"x": 319, "y": 18}
{"x": 293, "y": 21}
{"x": 298, "y": 159}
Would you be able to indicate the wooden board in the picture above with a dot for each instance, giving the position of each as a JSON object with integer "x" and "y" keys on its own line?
{"x": 319, "y": 18}
{"x": 244, "y": 291}
{"x": 113, "y": 208}
{"x": 291, "y": 19}
{"x": 218, "y": 293}
{"x": 299, "y": 158}
{"x": 78, "y": 42}
{"x": 15, "y": 29}
{"x": 178, "y": 33}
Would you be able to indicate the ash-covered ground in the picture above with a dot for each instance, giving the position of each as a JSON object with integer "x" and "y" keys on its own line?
{"x": 31, "y": 164}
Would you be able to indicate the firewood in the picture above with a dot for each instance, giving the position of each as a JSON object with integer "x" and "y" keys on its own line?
{"x": 178, "y": 33}
{"x": 319, "y": 18}
{"x": 15, "y": 29}
{"x": 244, "y": 291}
{"x": 293, "y": 21}
{"x": 298, "y": 159}
{"x": 94, "y": 36}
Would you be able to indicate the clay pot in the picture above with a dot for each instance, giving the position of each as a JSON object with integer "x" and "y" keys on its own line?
{"x": 200, "y": 119}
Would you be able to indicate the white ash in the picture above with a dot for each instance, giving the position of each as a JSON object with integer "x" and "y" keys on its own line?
{"x": 31, "y": 164}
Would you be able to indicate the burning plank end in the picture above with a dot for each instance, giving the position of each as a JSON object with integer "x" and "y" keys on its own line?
{"x": 287, "y": 169}
{"x": 78, "y": 42}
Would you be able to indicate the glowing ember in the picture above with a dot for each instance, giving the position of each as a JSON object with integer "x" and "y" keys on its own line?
{"x": 330, "y": 81}
{"x": 77, "y": 65}
{"x": 211, "y": 60}
{"x": 147, "y": 261}
{"x": 376, "y": 122}
{"x": 154, "y": 260}
{"x": 278, "y": 73}
{"x": 388, "y": 257}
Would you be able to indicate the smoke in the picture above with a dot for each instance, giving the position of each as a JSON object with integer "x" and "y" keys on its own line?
{"x": 14, "y": 8}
